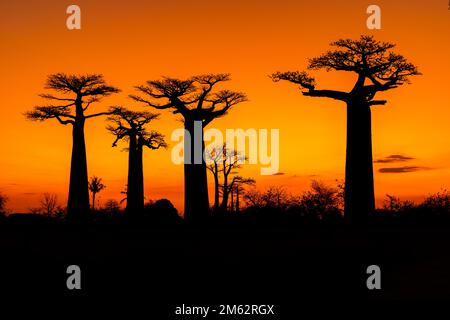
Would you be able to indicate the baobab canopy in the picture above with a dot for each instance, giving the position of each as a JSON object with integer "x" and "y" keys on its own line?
{"x": 377, "y": 67}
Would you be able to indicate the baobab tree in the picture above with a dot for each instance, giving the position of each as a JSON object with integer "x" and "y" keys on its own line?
{"x": 222, "y": 162}
{"x": 95, "y": 186}
{"x": 237, "y": 189}
{"x": 213, "y": 158}
{"x": 130, "y": 126}
{"x": 79, "y": 92}
{"x": 196, "y": 102}
{"x": 377, "y": 69}
{"x": 230, "y": 161}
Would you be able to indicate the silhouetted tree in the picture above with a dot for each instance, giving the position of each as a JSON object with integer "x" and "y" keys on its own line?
{"x": 196, "y": 102}
{"x": 231, "y": 160}
{"x": 83, "y": 90}
{"x": 3, "y": 200}
{"x": 272, "y": 198}
{"x": 320, "y": 201}
{"x": 437, "y": 204}
{"x": 213, "y": 160}
{"x": 48, "y": 205}
{"x": 222, "y": 162}
{"x": 112, "y": 207}
{"x": 130, "y": 126}
{"x": 95, "y": 186}
{"x": 237, "y": 186}
{"x": 377, "y": 69}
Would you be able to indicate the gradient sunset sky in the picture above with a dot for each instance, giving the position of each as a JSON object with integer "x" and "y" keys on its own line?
{"x": 132, "y": 41}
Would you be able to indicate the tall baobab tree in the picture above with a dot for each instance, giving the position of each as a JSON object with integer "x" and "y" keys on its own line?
{"x": 377, "y": 69}
{"x": 196, "y": 102}
{"x": 78, "y": 93}
{"x": 96, "y": 185}
{"x": 130, "y": 126}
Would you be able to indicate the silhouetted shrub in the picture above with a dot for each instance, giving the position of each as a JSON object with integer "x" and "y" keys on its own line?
{"x": 321, "y": 202}
{"x": 3, "y": 200}
{"x": 437, "y": 204}
{"x": 275, "y": 205}
{"x": 161, "y": 211}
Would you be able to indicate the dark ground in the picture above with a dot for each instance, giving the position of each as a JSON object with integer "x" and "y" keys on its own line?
{"x": 158, "y": 269}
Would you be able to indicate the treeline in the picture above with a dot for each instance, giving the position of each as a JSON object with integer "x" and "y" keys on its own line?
{"x": 322, "y": 205}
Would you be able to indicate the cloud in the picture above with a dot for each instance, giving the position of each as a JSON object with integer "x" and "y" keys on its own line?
{"x": 404, "y": 169}
{"x": 394, "y": 158}
{"x": 279, "y": 174}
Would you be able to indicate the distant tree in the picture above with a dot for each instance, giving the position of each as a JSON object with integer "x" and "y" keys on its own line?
{"x": 231, "y": 161}
{"x": 131, "y": 126}
{"x": 320, "y": 201}
{"x": 112, "y": 206}
{"x": 237, "y": 187}
{"x": 95, "y": 186}
{"x": 83, "y": 90}
{"x": 213, "y": 159}
{"x": 3, "y": 200}
{"x": 437, "y": 204}
{"x": 377, "y": 69}
{"x": 161, "y": 211}
{"x": 396, "y": 205}
{"x": 196, "y": 102}
{"x": 48, "y": 205}
{"x": 272, "y": 198}
{"x": 221, "y": 161}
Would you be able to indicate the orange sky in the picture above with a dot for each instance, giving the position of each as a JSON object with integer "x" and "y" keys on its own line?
{"x": 135, "y": 40}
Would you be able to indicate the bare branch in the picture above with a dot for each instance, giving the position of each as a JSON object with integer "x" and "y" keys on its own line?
{"x": 107, "y": 113}
{"x": 307, "y": 82}
{"x": 52, "y": 97}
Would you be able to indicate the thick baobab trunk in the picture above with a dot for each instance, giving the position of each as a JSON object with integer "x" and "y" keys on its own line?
{"x": 139, "y": 177}
{"x": 78, "y": 202}
{"x": 133, "y": 180}
{"x": 196, "y": 203}
{"x": 359, "y": 187}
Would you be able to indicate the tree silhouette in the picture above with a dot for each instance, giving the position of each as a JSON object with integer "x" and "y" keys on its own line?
{"x": 112, "y": 207}
{"x": 237, "y": 189}
{"x": 79, "y": 91}
{"x": 213, "y": 160}
{"x": 95, "y": 186}
{"x": 377, "y": 69}
{"x": 196, "y": 102}
{"x": 221, "y": 161}
{"x": 231, "y": 160}
{"x": 3, "y": 200}
{"x": 130, "y": 126}
{"x": 49, "y": 203}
